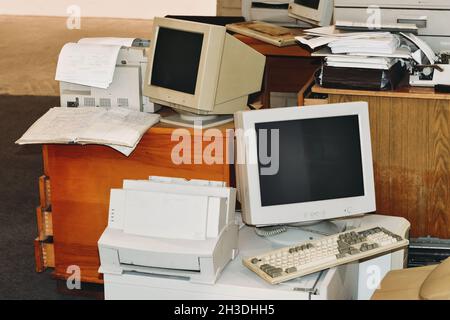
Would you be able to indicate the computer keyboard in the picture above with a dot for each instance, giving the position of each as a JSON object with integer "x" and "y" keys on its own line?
{"x": 327, "y": 252}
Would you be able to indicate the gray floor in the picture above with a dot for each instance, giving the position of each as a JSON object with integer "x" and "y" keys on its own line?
{"x": 20, "y": 167}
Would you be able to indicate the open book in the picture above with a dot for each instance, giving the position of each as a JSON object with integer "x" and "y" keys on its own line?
{"x": 119, "y": 128}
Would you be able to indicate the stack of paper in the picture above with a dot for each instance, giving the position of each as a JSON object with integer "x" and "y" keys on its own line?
{"x": 119, "y": 128}
{"x": 355, "y": 43}
{"x": 91, "y": 61}
{"x": 346, "y": 61}
{"x": 364, "y": 50}
{"x": 400, "y": 53}
{"x": 318, "y": 37}
{"x": 358, "y": 60}
{"x": 383, "y": 44}
{"x": 364, "y": 26}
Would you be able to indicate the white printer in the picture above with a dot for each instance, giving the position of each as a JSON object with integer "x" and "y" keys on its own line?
{"x": 169, "y": 227}
{"x": 430, "y": 16}
{"x": 124, "y": 91}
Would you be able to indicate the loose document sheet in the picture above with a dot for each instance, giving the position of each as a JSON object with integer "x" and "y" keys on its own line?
{"x": 87, "y": 64}
{"x": 119, "y": 128}
{"x": 124, "y": 42}
{"x": 91, "y": 61}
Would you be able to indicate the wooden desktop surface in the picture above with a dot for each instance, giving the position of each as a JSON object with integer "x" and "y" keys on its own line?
{"x": 271, "y": 50}
{"x": 403, "y": 91}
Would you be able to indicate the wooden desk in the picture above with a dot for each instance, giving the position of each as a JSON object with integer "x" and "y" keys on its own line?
{"x": 80, "y": 179}
{"x": 411, "y": 150}
{"x": 288, "y": 69}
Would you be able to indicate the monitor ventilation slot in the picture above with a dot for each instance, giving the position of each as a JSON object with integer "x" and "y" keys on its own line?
{"x": 122, "y": 102}
{"x": 89, "y": 102}
{"x": 111, "y": 216}
{"x": 105, "y": 102}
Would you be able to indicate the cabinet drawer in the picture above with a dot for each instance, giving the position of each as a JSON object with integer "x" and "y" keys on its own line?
{"x": 44, "y": 223}
{"x": 45, "y": 197}
{"x": 44, "y": 254}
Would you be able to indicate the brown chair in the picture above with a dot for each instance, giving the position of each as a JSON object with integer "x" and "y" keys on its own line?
{"x": 423, "y": 283}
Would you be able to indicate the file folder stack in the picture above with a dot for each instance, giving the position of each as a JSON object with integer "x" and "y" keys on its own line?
{"x": 345, "y": 61}
{"x": 384, "y": 43}
{"x": 361, "y": 78}
{"x": 363, "y": 60}
{"x": 366, "y": 63}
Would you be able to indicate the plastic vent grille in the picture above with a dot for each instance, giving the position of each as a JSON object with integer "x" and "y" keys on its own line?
{"x": 89, "y": 102}
{"x": 122, "y": 102}
{"x": 111, "y": 216}
{"x": 105, "y": 102}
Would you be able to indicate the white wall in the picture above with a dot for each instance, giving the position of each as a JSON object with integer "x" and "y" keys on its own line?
{"x": 139, "y": 9}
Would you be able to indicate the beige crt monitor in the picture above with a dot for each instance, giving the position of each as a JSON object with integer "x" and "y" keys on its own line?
{"x": 320, "y": 165}
{"x": 316, "y": 12}
{"x": 200, "y": 69}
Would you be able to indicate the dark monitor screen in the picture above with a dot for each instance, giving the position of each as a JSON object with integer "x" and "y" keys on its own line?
{"x": 313, "y": 4}
{"x": 176, "y": 60}
{"x": 319, "y": 159}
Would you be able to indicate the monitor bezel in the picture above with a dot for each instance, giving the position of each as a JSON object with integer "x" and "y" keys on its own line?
{"x": 208, "y": 71}
{"x": 256, "y": 214}
{"x": 315, "y": 15}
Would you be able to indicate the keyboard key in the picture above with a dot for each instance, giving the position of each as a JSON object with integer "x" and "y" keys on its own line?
{"x": 291, "y": 270}
{"x": 264, "y": 267}
{"x": 274, "y": 272}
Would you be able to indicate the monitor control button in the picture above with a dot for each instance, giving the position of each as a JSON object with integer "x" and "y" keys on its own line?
{"x": 317, "y": 214}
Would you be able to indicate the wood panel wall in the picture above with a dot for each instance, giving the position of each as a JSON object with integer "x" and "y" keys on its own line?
{"x": 411, "y": 152}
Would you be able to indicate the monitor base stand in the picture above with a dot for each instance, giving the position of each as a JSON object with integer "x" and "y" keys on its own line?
{"x": 190, "y": 120}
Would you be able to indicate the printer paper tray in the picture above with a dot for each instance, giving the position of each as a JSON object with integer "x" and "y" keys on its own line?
{"x": 176, "y": 261}
{"x": 128, "y": 268}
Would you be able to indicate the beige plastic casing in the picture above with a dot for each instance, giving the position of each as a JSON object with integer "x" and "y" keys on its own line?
{"x": 229, "y": 71}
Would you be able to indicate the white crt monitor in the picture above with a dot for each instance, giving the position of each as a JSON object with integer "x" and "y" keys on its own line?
{"x": 200, "y": 68}
{"x": 316, "y": 12}
{"x": 297, "y": 165}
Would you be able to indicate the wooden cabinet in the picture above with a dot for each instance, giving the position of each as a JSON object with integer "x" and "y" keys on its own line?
{"x": 81, "y": 178}
{"x": 288, "y": 69}
{"x": 411, "y": 151}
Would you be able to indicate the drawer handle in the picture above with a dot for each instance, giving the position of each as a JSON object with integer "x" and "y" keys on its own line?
{"x": 421, "y": 23}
